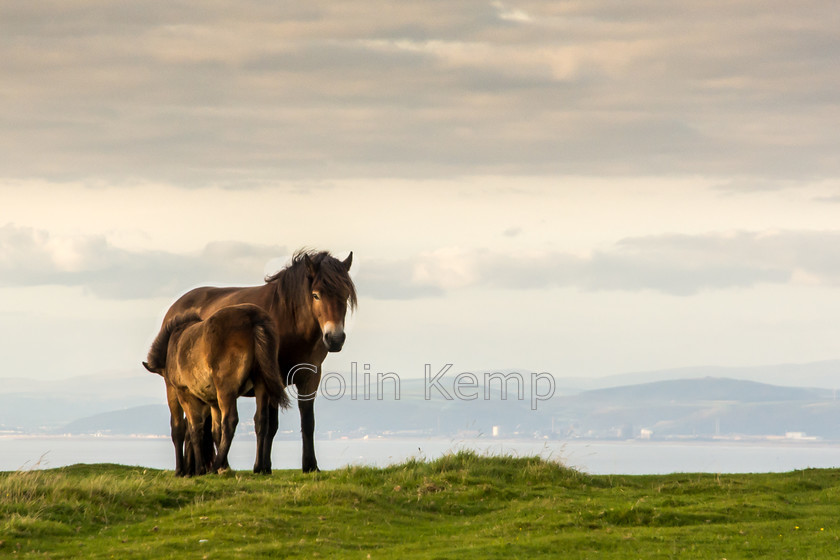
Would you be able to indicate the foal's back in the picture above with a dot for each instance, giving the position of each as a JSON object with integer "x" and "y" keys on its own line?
{"x": 217, "y": 356}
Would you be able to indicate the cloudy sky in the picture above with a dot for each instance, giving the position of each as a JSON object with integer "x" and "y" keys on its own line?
{"x": 583, "y": 188}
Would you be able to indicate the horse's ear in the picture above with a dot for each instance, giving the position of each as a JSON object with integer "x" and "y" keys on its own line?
{"x": 348, "y": 261}
{"x": 148, "y": 367}
{"x": 311, "y": 270}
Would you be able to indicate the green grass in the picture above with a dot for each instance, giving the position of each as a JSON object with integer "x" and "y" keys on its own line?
{"x": 460, "y": 506}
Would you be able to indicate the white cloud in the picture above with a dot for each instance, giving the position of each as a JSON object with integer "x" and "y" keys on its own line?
{"x": 679, "y": 265}
{"x": 30, "y": 257}
{"x": 447, "y": 268}
{"x": 196, "y": 94}
{"x": 511, "y": 14}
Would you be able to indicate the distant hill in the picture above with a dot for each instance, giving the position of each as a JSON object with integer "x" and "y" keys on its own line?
{"x": 704, "y": 389}
{"x": 825, "y": 374}
{"x": 29, "y": 405}
{"x": 148, "y": 419}
{"x": 704, "y": 407}
{"x": 616, "y": 407}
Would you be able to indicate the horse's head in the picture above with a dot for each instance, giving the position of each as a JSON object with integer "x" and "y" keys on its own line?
{"x": 331, "y": 291}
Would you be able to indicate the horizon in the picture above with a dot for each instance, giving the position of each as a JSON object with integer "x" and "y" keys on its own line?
{"x": 738, "y": 373}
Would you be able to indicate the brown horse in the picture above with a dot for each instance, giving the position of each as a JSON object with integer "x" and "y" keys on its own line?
{"x": 207, "y": 365}
{"x": 308, "y": 301}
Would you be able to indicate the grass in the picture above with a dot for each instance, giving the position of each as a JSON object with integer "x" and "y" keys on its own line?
{"x": 459, "y": 506}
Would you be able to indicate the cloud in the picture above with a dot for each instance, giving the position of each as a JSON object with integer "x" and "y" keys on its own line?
{"x": 678, "y": 265}
{"x": 744, "y": 185}
{"x": 511, "y": 14}
{"x": 381, "y": 279}
{"x": 194, "y": 93}
{"x": 30, "y": 257}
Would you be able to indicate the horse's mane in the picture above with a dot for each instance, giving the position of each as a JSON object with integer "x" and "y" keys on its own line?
{"x": 293, "y": 282}
{"x": 156, "y": 360}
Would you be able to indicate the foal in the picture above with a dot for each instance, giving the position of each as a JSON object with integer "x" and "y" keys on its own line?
{"x": 207, "y": 365}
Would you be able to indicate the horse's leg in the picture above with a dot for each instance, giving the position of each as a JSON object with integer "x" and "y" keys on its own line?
{"x": 260, "y": 428}
{"x": 178, "y": 429}
{"x": 262, "y": 465}
{"x": 230, "y": 418}
{"x": 272, "y": 422}
{"x": 307, "y": 432}
{"x": 307, "y": 387}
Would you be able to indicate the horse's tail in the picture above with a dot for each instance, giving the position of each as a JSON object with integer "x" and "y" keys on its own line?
{"x": 156, "y": 360}
{"x": 265, "y": 350}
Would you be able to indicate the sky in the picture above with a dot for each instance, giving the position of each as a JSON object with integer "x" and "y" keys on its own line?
{"x": 582, "y": 188}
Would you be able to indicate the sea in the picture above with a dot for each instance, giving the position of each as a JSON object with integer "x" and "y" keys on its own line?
{"x": 593, "y": 457}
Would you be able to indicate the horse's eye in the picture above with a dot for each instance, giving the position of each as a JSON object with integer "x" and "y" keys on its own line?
{"x": 315, "y": 296}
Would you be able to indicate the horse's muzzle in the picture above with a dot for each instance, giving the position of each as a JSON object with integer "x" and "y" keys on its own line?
{"x": 334, "y": 341}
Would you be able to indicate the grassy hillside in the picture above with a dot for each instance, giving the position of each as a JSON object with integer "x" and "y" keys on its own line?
{"x": 459, "y": 506}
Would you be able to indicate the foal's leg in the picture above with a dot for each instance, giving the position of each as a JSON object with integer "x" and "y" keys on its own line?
{"x": 230, "y": 418}
{"x": 178, "y": 429}
{"x": 213, "y": 446}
